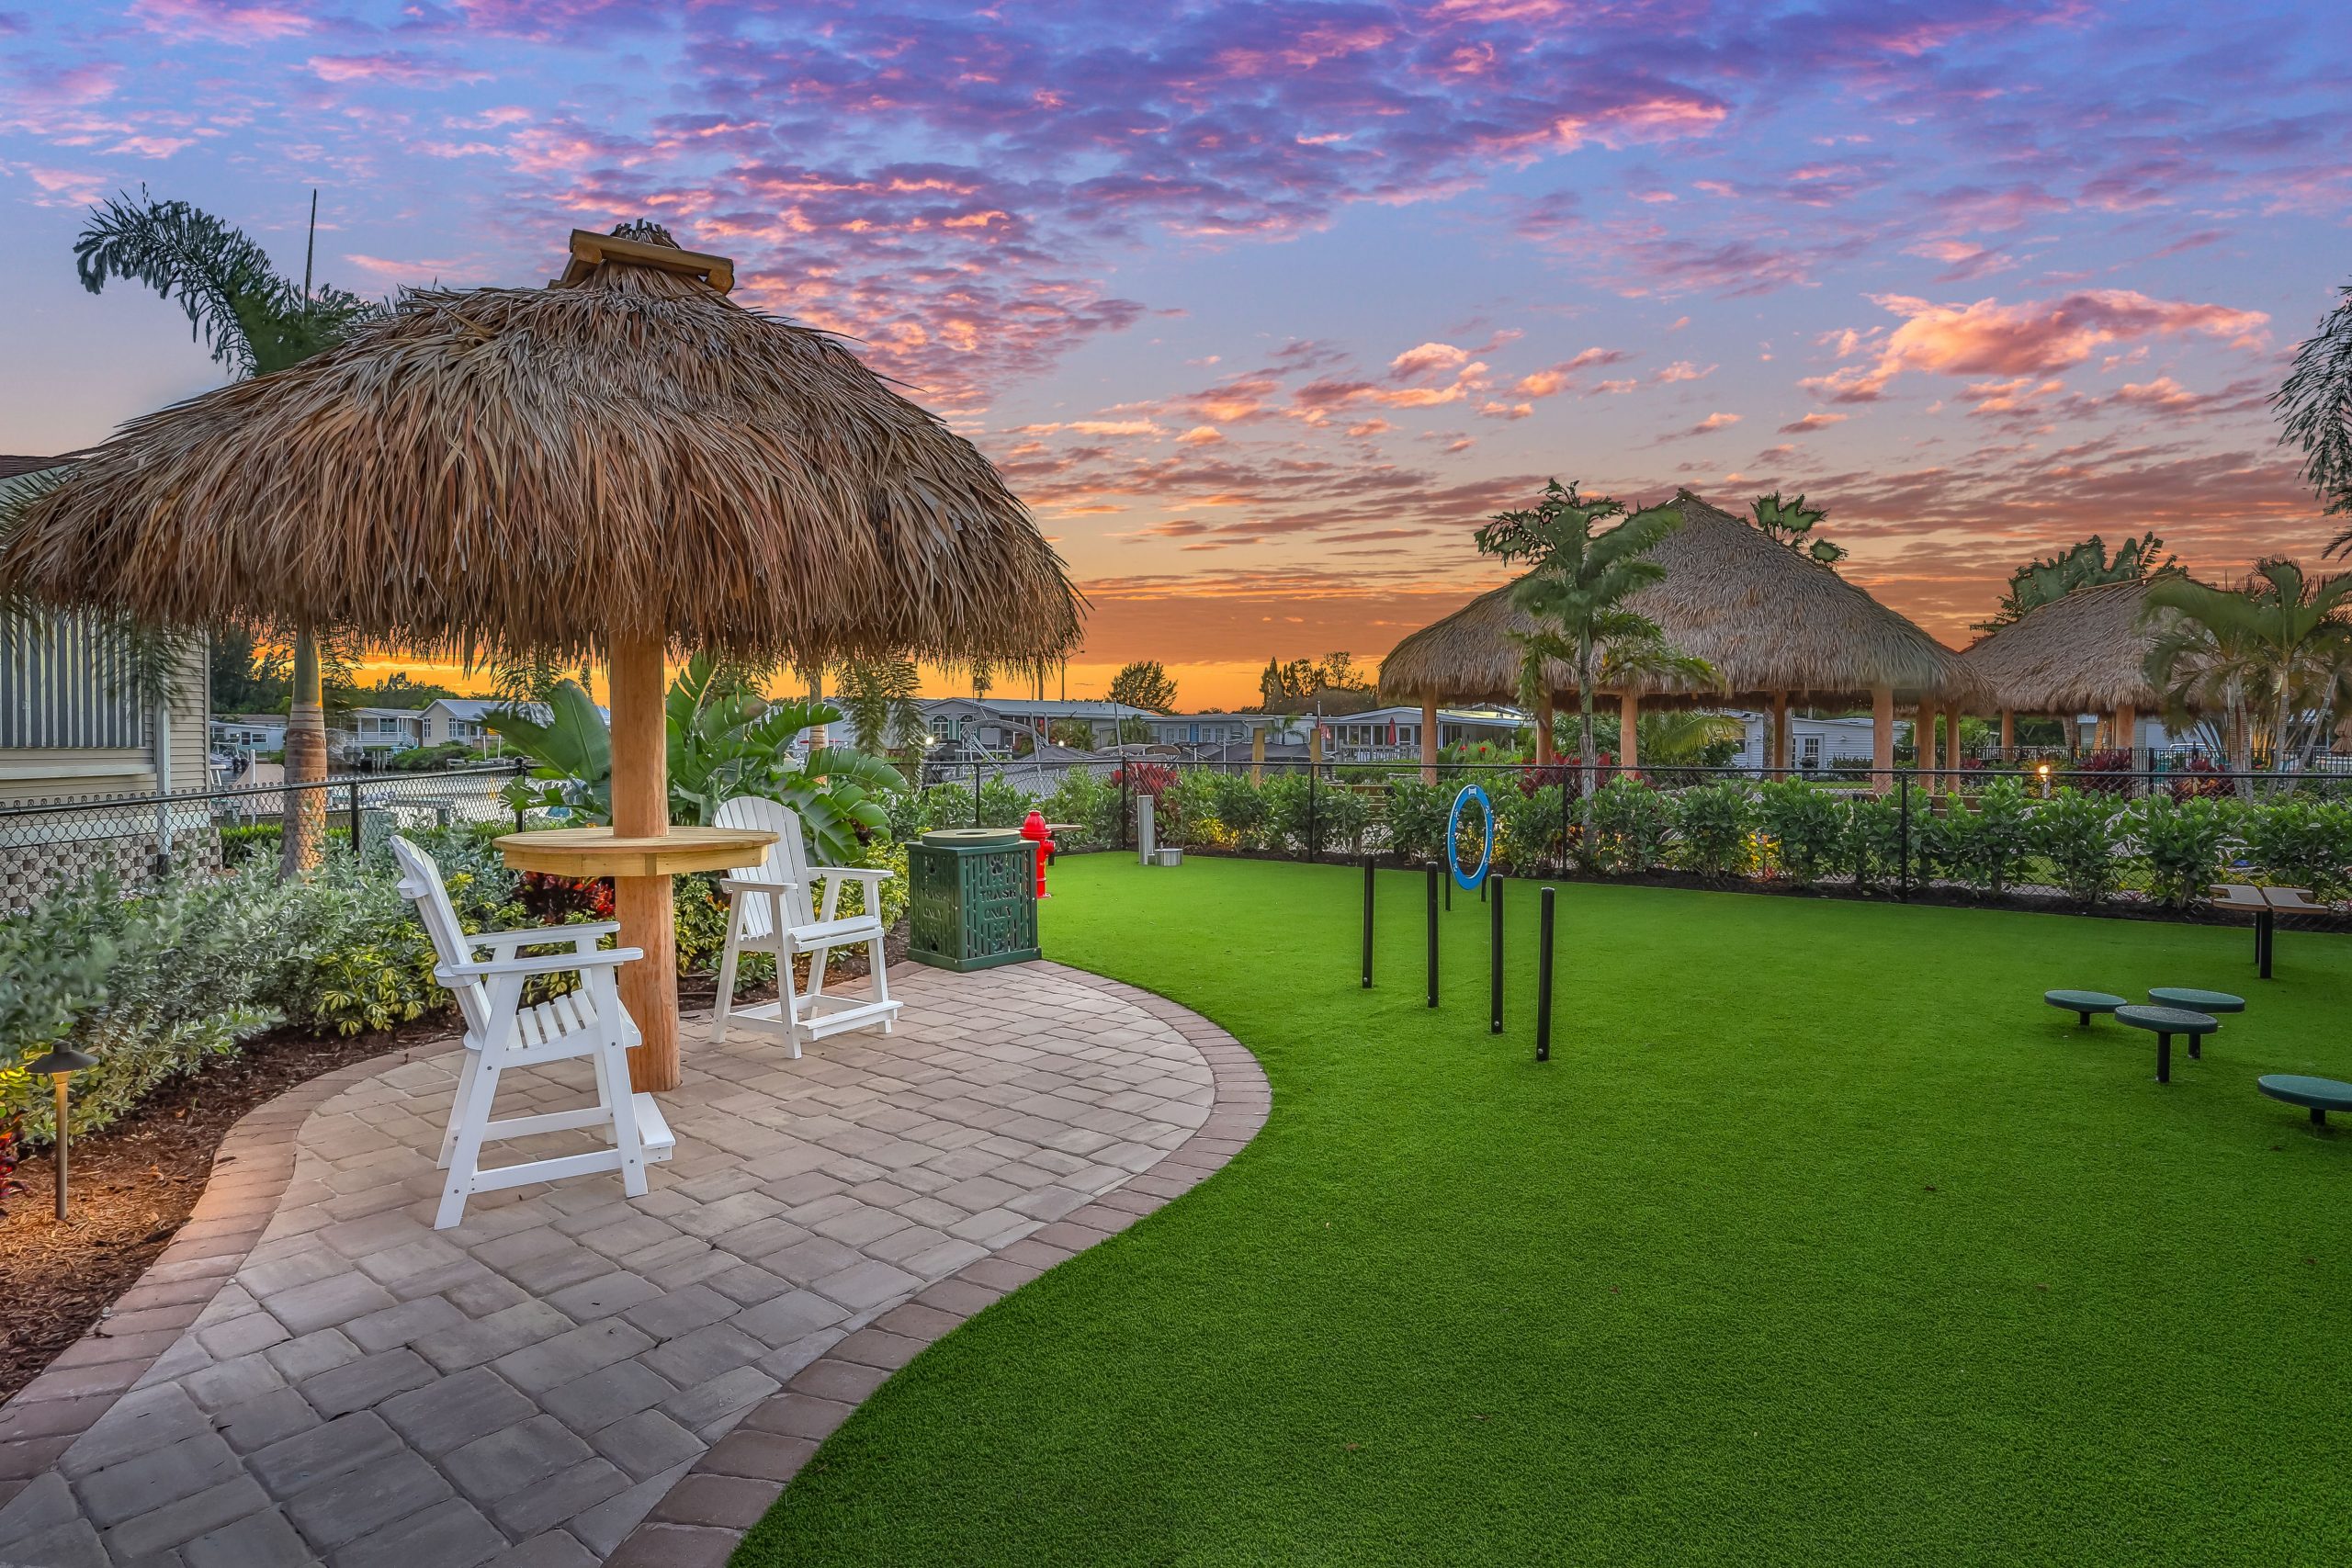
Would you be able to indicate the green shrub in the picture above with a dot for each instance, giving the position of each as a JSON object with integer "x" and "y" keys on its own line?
{"x": 1995, "y": 839}
{"x": 1873, "y": 846}
{"x": 1343, "y": 816}
{"x": 1242, "y": 809}
{"x": 2181, "y": 843}
{"x": 1628, "y": 826}
{"x": 2302, "y": 843}
{"x": 1532, "y": 829}
{"x": 1805, "y": 827}
{"x": 1091, "y": 805}
{"x": 1414, "y": 815}
{"x": 2075, "y": 831}
{"x": 1289, "y": 800}
{"x": 1713, "y": 823}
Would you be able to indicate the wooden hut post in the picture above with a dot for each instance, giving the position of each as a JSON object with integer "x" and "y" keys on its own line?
{"x": 641, "y": 810}
{"x": 1951, "y": 745}
{"x": 1923, "y": 744}
{"x": 1629, "y": 715}
{"x": 1883, "y": 738}
{"x": 1428, "y": 741}
{"x": 1782, "y": 749}
{"x": 1544, "y": 753}
{"x": 2127, "y": 735}
{"x": 1256, "y": 754}
{"x": 2008, "y": 734}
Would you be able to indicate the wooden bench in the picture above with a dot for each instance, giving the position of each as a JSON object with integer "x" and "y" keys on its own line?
{"x": 2320, "y": 1096}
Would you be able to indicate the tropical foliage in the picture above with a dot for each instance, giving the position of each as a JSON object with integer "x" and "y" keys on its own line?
{"x": 1144, "y": 683}
{"x": 1791, "y": 523}
{"x": 2316, "y": 412}
{"x": 725, "y": 739}
{"x": 878, "y": 697}
{"x": 2274, "y": 657}
{"x": 2047, "y": 579}
{"x": 1579, "y": 576}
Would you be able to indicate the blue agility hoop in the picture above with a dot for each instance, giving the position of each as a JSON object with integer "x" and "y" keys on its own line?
{"x": 1453, "y": 839}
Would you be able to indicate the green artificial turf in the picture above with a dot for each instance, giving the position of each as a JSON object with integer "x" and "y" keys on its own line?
{"x": 1820, "y": 1239}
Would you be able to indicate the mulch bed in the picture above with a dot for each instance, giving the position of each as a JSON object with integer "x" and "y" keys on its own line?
{"x": 133, "y": 1186}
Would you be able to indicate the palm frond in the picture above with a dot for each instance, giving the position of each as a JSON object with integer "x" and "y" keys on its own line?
{"x": 217, "y": 274}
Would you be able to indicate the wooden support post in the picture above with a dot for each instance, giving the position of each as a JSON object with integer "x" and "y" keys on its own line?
{"x": 1923, "y": 745}
{"x": 1629, "y": 715}
{"x": 1951, "y": 745}
{"x": 1256, "y": 754}
{"x": 1781, "y": 748}
{"x": 1429, "y": 742}
{"x": 1882, "y": 739}
{"x": 642, "y": 809}
{"x": 2008, "y": 734}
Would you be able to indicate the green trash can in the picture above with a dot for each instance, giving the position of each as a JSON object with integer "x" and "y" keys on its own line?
{"x": 973, "y": 898}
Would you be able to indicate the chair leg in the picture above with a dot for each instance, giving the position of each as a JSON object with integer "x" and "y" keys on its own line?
{"x": 727, "y": 967}
{"x": 881, "y": 977}
{"x": 466, "y": 1077}
{"x": 787, "y": 1000}
{"x": 612, "y": 1062}
{"x": 605, "y": 1093}
{"x": 464, "y": 1160}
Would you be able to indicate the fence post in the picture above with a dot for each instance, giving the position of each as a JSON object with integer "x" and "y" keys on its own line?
{"x": 976, "y": 792}
{"x": 1367, "y": 922}
{"x": 1543, "y": 983}
{"x": 1312, "y": 845}
{"x": 352, "y": 792}
{"x": 1494, "y": 955}
{"x": 1432, "y": 922}
{"x": 522, "y": 770}
{"x": 1127, "y": 802}
{"x": 1902, "y": 836}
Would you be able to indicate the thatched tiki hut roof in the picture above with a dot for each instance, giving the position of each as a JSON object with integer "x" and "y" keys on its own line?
{"x": 2084, "y": 653}
{"x": 1772, "y": 623}
{"x": 526, "y": 469}
{"x": 622, "y": 462}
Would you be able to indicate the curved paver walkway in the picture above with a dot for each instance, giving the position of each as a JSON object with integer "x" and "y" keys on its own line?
{"x": 358, "y": 1389}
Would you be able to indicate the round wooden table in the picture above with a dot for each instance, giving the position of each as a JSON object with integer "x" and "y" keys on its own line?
{"x": 640, "y": 867}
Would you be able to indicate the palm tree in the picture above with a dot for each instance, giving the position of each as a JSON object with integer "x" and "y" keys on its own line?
{"x": 1685, "y": 736}
{"x": 878, "y": 695}
{"x": 1791, "y": 523}
{"x": 2283, "y": 643}
{"x": 255, "y": 322}
{"x": 2047, "y": 579}
{"x": 2315, "y": 411}
{"x": 1576, "y": 588}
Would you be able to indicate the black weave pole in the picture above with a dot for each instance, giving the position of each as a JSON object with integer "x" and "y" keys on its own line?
{"x": 1494, "y": 954}
{"x": 1367, "y": 922}
{"x": 1543, "y": 984}
{"x": 1432, "y": 936}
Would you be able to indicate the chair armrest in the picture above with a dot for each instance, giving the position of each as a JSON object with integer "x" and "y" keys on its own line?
{"x": 553, "y": 964}
{"x": 864, "y": 872}
{"x": 536, "y": 934}
{"x": 753, "y": 884}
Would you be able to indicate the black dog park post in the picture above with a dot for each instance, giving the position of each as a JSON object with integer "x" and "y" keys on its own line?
{"x": 1367, "y": 922}
{"x": 1432, "y": 936}
{"x": 1493, "y": 888}
{"x": 1543, "y": 984}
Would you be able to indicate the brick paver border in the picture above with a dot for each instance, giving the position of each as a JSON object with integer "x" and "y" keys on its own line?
{"x": 250, "y": 1173}
{"x": 705, "y": 1513}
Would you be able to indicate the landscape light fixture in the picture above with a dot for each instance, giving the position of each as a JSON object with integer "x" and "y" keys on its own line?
{"x": 2043, "y": 769}
{"x": 60, "y": 1064}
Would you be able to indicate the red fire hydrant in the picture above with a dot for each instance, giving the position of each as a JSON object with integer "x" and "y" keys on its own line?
{"x": 1036, "y": 832}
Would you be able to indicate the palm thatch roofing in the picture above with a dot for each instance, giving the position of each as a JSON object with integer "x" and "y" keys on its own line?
{"x": 1768, "y": 619}
{"x": 2084, "y": 653}
{"x": 521, "y": 469}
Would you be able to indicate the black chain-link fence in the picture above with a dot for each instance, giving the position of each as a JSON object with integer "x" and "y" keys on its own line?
{"x": 48, "y": 844}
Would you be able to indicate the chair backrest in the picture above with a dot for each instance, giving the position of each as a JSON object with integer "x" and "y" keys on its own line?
{"x": 787, "y": 860}
{"x": 420, "y": 882}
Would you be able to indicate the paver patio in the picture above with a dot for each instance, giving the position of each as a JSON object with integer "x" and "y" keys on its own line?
{"x": 527, "y": 1388}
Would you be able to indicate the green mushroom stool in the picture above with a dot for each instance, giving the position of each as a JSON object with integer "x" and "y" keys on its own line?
{"x": 2320, "y": 1096}
{"x": 2196, "y": 1000}
{"x": 2084, "y": 1003}
{"x": 2165, "y": 1022}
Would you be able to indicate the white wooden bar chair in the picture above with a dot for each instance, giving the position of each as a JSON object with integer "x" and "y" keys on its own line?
{"x": 501, "y": 1033}
{"x": 770, "y": 909}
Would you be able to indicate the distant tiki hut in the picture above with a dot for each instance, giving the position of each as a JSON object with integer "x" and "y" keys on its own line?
{"x": 2085, "y": 653}
{"x": 1774, "y": 624}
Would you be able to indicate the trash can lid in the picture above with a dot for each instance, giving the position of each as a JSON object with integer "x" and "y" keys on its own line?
{"x": 972, "y": 837}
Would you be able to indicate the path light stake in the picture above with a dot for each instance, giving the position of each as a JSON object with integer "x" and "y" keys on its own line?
{"x": 1494, "y": 956}
{"x": 1543, "y": 984}
{"x": 60, "y": 1064}
{"x": 1367, "y": 922}
{"x": 1432, "y": 936}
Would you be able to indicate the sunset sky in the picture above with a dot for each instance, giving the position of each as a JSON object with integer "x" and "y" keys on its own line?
{"x": 1263, "y": 307}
